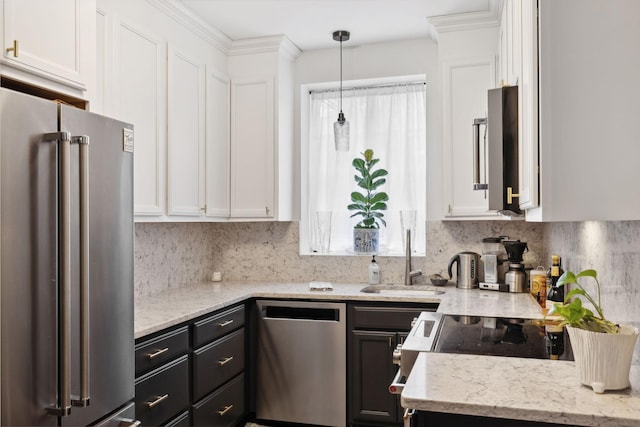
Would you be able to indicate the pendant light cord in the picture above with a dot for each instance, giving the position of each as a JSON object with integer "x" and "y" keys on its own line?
{"x": 341, "y": 75}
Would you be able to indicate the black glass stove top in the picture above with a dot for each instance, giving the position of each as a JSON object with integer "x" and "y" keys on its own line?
{"x": 495, "y": 336}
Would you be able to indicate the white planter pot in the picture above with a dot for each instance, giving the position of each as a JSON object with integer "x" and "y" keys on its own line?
{"x": 603, "y": 360}
{"x": 365, "y": 240}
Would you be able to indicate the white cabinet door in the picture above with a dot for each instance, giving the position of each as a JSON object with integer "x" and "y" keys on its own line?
{"x": 139, "y": 98}
{"x": 186, "y": 132}
{"x": 252, "y": 148}
{"x": 589, "y": 103}
{"x": 528, "y": 108}
{"x": 48, "y": 39}
{"x": 465, "y": 85}
{"x": 217, "y": 146}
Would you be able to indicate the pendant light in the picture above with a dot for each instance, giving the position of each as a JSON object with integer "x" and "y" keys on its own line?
{"x": 341, "y": 126}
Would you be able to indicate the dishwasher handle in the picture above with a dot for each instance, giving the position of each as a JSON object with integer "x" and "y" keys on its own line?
{"x": 301, "y": 313}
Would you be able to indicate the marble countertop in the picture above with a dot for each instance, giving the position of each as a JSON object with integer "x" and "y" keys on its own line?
{"x": 169, "y": 308}
{"x": 517, "y": 388}
{"x": 531, "y": 389}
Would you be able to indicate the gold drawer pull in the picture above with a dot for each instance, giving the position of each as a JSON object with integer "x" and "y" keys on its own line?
{"x": 225, "y": 323}
{"x": 225, "y": 410}
{"x": 159, "y": 399}
{"x": 225, "y": 360}
{"x": 157, "y": 353}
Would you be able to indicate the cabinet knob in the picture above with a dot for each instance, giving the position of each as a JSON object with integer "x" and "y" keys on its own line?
{"x": 14, "y": 49}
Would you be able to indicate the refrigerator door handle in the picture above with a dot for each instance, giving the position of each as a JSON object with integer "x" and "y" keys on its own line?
{"x": 64, "y": 274}
{"x": 83, "y": 145}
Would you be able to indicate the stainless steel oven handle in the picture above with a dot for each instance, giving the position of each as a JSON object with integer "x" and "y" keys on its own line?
{"x": 63, "y": 407}
{"x": 83, "y": 149}
{"x": 397, "y": 385}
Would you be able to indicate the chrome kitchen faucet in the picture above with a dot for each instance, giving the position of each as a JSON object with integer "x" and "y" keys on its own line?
{"x": 408, "y": 273}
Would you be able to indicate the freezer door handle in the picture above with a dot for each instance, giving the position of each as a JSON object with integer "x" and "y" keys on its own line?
{"x": 64, "y": 274}
{"x": 83, "y": 149}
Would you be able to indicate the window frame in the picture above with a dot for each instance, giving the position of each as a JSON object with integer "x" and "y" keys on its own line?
{"x": 303, "y": 225}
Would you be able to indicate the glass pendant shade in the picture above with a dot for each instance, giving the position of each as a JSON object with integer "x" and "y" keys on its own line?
{"x": 341, "y": 133}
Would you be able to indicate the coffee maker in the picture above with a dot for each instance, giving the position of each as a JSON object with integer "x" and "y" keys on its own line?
{"x": 515, "y": 279}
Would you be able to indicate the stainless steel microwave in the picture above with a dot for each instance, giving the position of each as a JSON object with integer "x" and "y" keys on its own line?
{"x": 499, "y": 151}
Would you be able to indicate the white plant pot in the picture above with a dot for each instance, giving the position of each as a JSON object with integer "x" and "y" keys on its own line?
{"x": 603, "y": 360}
{"x": 365, "y": 240}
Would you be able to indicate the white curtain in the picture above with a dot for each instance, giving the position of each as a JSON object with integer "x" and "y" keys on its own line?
{"x": 390, "y": 120}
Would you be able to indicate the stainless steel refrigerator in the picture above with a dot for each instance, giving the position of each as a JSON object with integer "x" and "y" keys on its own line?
{"x": 66, "y": 286}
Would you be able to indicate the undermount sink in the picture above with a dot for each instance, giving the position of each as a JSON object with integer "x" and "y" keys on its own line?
{"x": 424, "y": 290}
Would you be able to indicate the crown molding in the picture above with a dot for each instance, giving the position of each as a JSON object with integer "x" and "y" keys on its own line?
{"x": 487, "y": 18}
{"x": 193, "y": 22}
{"x": 280, "y": 44}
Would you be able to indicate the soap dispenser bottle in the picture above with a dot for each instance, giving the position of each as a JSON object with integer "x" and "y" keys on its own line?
{"x": 374, "y": 272}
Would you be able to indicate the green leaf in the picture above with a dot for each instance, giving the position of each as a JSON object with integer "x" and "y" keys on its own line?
{"x": 378, "y": 183}
{"x": 380, "y": 206}
{"x": 379, "y": 173}
{"x": 567, "y": 277}
{"x": 379, "y": 197}
{"x": 358, "y": 197}
{"x": 587, "y": 273}
{"x": 574, "y": 292}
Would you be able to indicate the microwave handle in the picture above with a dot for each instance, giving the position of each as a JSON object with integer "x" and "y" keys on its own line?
{"x": 476, "y": 154}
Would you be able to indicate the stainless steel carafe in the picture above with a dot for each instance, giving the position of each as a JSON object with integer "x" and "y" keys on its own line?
{"x": 516, "y": 278}
{"x": 467, "y": 269}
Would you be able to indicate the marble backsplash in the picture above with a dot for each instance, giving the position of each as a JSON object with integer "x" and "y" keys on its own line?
{"x": 171, "y": 255}
{"x": 613, "y": 250}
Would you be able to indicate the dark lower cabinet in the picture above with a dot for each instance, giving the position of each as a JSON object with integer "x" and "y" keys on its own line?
{"x": 223, "y": 408}
{"x": 374, "y": 331}
{"x": 163, "y": 392}
{"x": 371, "y": 375}
{"x": 193, "y": 374}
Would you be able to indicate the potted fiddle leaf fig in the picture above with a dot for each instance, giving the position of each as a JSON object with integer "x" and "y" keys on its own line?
{"x": 603, "y": 350}
{"x": 369, "y": 204}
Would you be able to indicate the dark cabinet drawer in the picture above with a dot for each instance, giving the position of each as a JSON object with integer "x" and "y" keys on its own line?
{"x": 386, "y": 318}
{"x": 181, "y": 420}
{"x": 224, "y": 408}
{"x": 163, "y": 393}
{"x": 214, "y": 327}
{"x": 216, "y": 363}
{"x": 154, "y": 352}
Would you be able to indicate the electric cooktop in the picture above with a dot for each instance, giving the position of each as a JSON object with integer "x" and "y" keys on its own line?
{"x": 496, "y": 336}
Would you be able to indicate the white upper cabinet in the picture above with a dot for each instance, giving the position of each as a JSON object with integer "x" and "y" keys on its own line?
{"x": 165, "y": 77}
{"x": 138, "y": 91}
{"x": 252, "y": 148}
{"x": 217, "y": 161}
{"x": 589, "y": 104}
{"x": 262, "y": 162}
{"x": 49, "y": 43}
{"x": 528, "y": 107}
{"x": 186, "y": 135}
{"x": 468, "y": 53}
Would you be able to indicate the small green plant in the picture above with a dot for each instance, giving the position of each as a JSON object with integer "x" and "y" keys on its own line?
{"x": 370, "y": 204}
{"x": 574, "y": 313}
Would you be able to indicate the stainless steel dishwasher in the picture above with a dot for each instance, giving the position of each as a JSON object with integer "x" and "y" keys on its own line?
{"x": 301, "y": 362}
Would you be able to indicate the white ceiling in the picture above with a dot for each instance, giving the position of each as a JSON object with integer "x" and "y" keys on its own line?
{"x": 310, "y": 23}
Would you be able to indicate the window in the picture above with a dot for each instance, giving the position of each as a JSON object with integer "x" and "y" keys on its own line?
{"x": 387, "y": 117}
